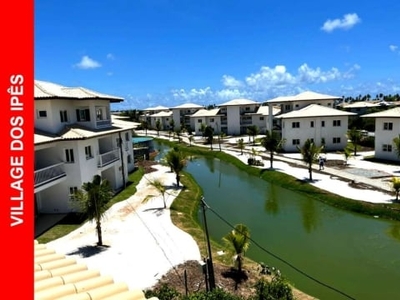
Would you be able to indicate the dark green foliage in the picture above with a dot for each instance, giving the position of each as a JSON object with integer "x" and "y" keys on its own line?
{"x": 216, "y": 294}
{"x": 277, "y": 288}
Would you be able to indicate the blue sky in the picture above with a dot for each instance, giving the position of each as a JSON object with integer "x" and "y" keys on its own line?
{"x": 166, "y": 52}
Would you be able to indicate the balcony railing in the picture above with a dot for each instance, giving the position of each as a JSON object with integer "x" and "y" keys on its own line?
{"x": 108, "y": 158}
{"x": 103, "y": 123}
{"x": 48, "y": 174}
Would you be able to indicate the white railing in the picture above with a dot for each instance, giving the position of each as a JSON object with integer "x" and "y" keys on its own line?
{"x": 50, "y": 173}
{"x": 108, "y": 158}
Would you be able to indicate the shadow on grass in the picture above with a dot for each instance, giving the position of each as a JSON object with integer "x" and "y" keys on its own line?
{"x": 88, "y": 251}
{"x": 235, "y": 275}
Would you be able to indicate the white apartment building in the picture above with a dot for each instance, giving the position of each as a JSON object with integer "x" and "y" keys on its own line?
{"x": 237, "y": 115}
{"x": 76, "y": 139}
{"x": 323, "y": 125}
{"x": 208, "y": 118}
{"x": 164, "y": 117}
{"x": 181, "y": 114}
{"x": 387, "y": 127}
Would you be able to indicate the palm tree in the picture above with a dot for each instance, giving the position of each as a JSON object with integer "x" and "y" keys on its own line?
{"x": 176, "y": 160}
{"x": 396, "y": 142}
{"x": 92, "y": 199}
{"x": 221, "y": 135}
{"x": 209, "y": 135}
{"x": 396, "y": 186}
{"x": 355, "y": 137}
{"x": 241, "y": 145}
{"x": 190, "y": 140}
{"x": 161, "y": 188}
{"x": 238, "y": 242}
{"x": 347, "y": 154}
{"x": 253, "y": 131}
{"x": 158, "y": 126}
{"x": 309, "y": 152}
{"x": 145, "y": 126}
{"x": 271, "y": 142}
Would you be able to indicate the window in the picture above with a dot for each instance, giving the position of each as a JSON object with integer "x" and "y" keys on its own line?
{"x": 99, "y": 114}
{"x": 322, "y": 123}
{"x": 336, "y": 123}
{"x": 296, "y": 142}
{"x": 387, "y": 126}
{"x": 83, "y": 115}
{"x": 129, "y": 159}
{"x": 212, "y": 120}
{"x": 127, "y": 136}
{"x": 72, "y": 191}
{"x": 329, "y": 104}
{"x": 63, "y": 116}
{"x": 69, "y": 155}
{"x": 199, "y": 121}
{"x": 295, "y": 124}
{"x": 287, "y": 107}
{"x": 247, "y": 108}
{"x": 336, "y": 140}
{"x": 387, "y": 148}
{"x": 323, "y": 141}
{"x": 312, "y": 124}
{"x": 88, "y": 152}
{"x": 312, "y": 141}
{"x": 296, "y": 105}
{"x": 42, "y": 114}
{"x": 261, "y": 118}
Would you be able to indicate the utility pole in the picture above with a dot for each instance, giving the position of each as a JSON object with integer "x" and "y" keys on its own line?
{"x": 210, "y": 267}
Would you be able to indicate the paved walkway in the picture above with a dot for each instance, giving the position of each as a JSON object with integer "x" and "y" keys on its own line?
{"x": 357, "y": 169}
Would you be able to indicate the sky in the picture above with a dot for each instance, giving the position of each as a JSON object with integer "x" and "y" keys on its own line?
{"x": 171, "y": 52}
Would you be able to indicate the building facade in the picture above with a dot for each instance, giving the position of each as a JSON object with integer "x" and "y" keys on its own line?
{"x": 76, "y": 139}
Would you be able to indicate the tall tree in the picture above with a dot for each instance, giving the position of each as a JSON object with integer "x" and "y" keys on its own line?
{"x": 158, "y": 126}
{"x": 161, "y": 188}
{"x": 271, "y": 142}
{"x": 396, "y": 186}
{"x": 177, "y": 161}
{"x": 238, "y": 242}
{"x": 309, "y": 152}
{"x": 354, "y": 135}
{"x": 253, "y": 131}
{"x": 221, "y": 135}
{"x": 396, "y": 143}
{"x": 209, "y": 135}
{"x": 92, "y": 199}
{"x": 145, "y": 126}
{"x": 240, "y": 143}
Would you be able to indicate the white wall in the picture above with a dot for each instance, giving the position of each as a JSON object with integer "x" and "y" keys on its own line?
{"x": 386, "y": 137}
{"x": 52, "y": 123}
{"x": 305, "y": 131}
{"x": 233, "y": 118}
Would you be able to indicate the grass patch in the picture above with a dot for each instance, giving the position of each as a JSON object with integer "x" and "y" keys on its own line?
{"x": 184, "y": 214}
{"x": 74, "y": 221}
{"x": 387, "y": 211}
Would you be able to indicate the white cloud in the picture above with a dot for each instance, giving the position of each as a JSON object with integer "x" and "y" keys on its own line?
{"x": 110, "y": 56}
{"x": 231, "y": 82}
{"x": 88, "y": 63}
{"x": 393, "y": 48}
{"x": 347, "y": 22}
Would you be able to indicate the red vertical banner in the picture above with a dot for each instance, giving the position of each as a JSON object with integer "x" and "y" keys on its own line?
{"x": 17, "y": 167}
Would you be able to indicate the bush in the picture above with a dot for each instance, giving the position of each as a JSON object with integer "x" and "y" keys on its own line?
{"x": 277, "y": 288}
{"x": 164, "y": 292}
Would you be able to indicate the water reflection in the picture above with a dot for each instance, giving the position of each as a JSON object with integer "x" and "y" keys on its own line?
{"x": 271, "y": 200}
{"x": 394, "y": 231}
{"x": 210, "y": 163}
{"x": 310, "y": 215}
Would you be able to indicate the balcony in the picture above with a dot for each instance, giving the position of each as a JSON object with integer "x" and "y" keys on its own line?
{"x": 108, "y": 158}
{"x": 49, "y": 174}
{"x": 103, "y": 123}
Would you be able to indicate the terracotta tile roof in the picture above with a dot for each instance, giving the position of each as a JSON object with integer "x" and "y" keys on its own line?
{"x": 58, "y": 277}
{"x": 315, "y": 110}
{"x": 49, "y": 90}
